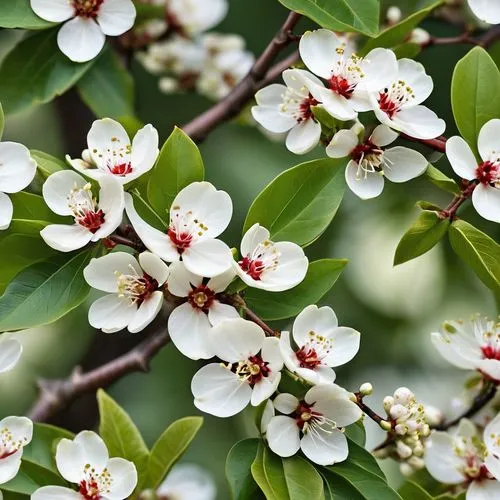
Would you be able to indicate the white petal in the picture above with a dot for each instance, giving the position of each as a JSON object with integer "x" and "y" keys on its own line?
{"x": 190, "y": 332}
{"x": 461, "y": 157}
{"x": 116, "y": 16}
{"x": 441, "y": 461}
{"x": 488, "y": 141}
{"x": 220, "y": 282}
{"x": 144, "y": 150}
{"x": 236, "y": 340}
{"x": 219, "y": 391}
{"x": 101, "y": 273}
{"x": 404, "y": 164}
{"x": 320, "y": 375}
{"x": 180, "y": 280}
{"x": 255, "y": 235}
{"x": 272, "y": 95}
{"x": 456, "y": 352}
{"x": 345, "y": 345}
{"x": 55, "y": 493}
{"x": 124, "y": 478}
{"x": 321, "y": 320}
{"x": 111, "y": 313}
{"x": 318, "y": 49}
{"x": 154, "y": 267}
{"x": 93, "y": 449}
{"x": 9, "y": 467}
{"x": 484, "y": 490}
{"x": 10, "y": 352}
{"x": 57, "y": 188}
{"x": 18, "y": 168}
{"x": 267, "y": 415}
{"x": 265, "y": 388}
{"x": 365, "y": 185}
{"x": 80, "y": 39}
{"x": 379, "y": 66}
{"x": 342, "y": 144}
{"x": 338, "y": 106}
{"x": 325, "y": 449}
{"x": 486, "y": 10}
{"x": 490, "y": 367}
{"x": 21, "y": 429}
{"x": 272, "y": 119}
{"x": 298, "y": 79}
{"x": 283, "y": 436}
{"x": 286, "y": 403}
{"x": 208, "y": 257}
{"x": 271, "y": 353}
{"x": 419, "y": 122}
{"x": 413, "y": 74}
{"x": 492, "y": 463}
{"x": 66, "y": 238}
{"x": 486, "y": 200}
{"x": 104, "y": 136}
{"x": 383, "y": 136}
{"x": 70, "y": 460}
{"x": 6, "y": 211}
{"x": 221, "y": 312}
{"x": 112, "y": 203}
{"x": 303, "y": 137}
{"x": 189, "y": 482}
{"x": 147, "y": 312}
{"x": 56, "y": 11}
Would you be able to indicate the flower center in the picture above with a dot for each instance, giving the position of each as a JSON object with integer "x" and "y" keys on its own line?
{"x": 305, "y": 108}
{"x": 201, "y": 297}
{"x": 393, "y": 98}
{"x": 308, "y": 357}
{"x": 90, "y": 490}
{"x": 184, "y": 228}
{"x": 298, "y": 104}
{"x": 310, "y": 421}
{"x": 7, "y": 444}
{"x": 84, "y": 207}
{"x": 254, "y": 268}
{"x": 252, "y": 370}
{"x": 346, "y": 75}
{"x": 488, "y": 173}
{"x": 313, "y": 352}
{"x": 265, "y": 257}
{"x": 87, "y": 8}
{"x": 134, "y": 287}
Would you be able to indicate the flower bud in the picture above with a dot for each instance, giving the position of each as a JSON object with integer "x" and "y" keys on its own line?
{"x": 419, "y": 36}
{"x": 388, "y": 403}
{"x": 366, "y": 389}
{"x": 404, "y": 451}
{"x": 406, "y": 469}
{"x": 168, "y": 85}
{"x": 416, "y": 462}
{"x": 403, "y": 396}
{"x": 393, "y": 15}
{"x": 401, "y": 429}
{"x": 398, "y": 411}
{"x": 385, "y": 425}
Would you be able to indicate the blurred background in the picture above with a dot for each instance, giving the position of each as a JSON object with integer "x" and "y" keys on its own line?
{"x": 395, "y": 309}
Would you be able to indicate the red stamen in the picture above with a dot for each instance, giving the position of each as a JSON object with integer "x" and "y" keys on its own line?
{"x": 87, "y": 8}
{"x": 150, "y": 286}
{"x": 363, "y": 150}
{"x": 487, "y": 172}
{"x": 305, "y": 108}
{"x": 389, "y": 107}
{"x": 490, "y": 352}
{"x": 304, "y": 413}
{"x": 264, "y": 370}
{"x": 308, "y": 357}
{"x": 254, "y": 268}
{"x": 341, "y": 86}
{"x": 7, "y": 454}
{"x": 201, "y": 298}
{"x": 121, "y": 169}
{"x": 181, "y": 241}
{"x": 90, "y": 490}
{"x": 92, "y": 220}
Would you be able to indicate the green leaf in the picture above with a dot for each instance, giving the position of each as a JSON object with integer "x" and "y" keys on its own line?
{"x": 120, "y": 434}
{"x": 267, "y": 471}
{"x": 321, "y": 276}
{"x": 36, "y": 71}
{"x": 19, "y": 14}
{"x": 398, "y": 33}
{"x": 423, "y": 235}
{"x": 178, "y": 165}
{"x": 357, "y": 433}
{"x": 338, "y": 488}
{"x": 412, "y": 491}
{"x": 477, "y": 77}
{"x": 238, "y": 464}
{"x": 20, "y": 247}
{"x": 169, "y": 448}
{"x": 441, "y": 181}
{"x": 2, "y": 121}
{"x": 147, "y": 213}
{"x": 47, "y": 164}
{"x": 407, "y": 50}
{"x": 478, "y": 251}
{"x": 301, "y": 202}
{"x": 342, "y": 15}
{"x": 108, "y": 88}
{"x": 33, "y": 207}
{"x": 260, "y": 476}
{"x": 302, "y": 479}
{"x": 44, "y": 292}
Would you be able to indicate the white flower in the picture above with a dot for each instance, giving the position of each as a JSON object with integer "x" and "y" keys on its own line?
{"x": 287, "y": 108}
{"x": 473, "y": 345}
{"x": 321, "y": 345}
{"x": 15, "y": 433}
{"x": 462, "y": 457}
{"x": 110, "y": 152}
{"x": 348, "y": 76}
{"x": 190, "y": 324}
{"x": 85, "y": 461}
{"x": 370, "y": 162}
{"x": 135, "y": 290}
{"x": 192, "y": 17}
{"x": 397, "y": 102}
{"x": 67, "y": 193}
{"x": 313, "y": 425}
{"x": 251, "y": 375}
{"x": 486, "y": 10}
{"x": 187, "y": 482}
{"x": 10, "y": 352}
{"x": 486, "y": 195}
{"x": 83, "y": 37}
{"x": 267, "y": 265}
{"x": 199, "y": 213}
{"x": 17, "y": 170}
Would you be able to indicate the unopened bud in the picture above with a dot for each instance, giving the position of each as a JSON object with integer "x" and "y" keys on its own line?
{"x": 168, "y": 85}
{"x": 406, "y": 470}
{"x": 404, "y": 451}
{"x": 366, "y": 389}
{"x": 416, "y": 462}
{"x": 398, "y": 411}
{"x": 401, "y": 429}
{"x": 381, "y": 453}
{"x": 403, "y": 396}
{"x": 385, "y": 425}
{"x": 419, "y": 36}
{"x": 393, "y": 15}
{"x": 388, "y": 403}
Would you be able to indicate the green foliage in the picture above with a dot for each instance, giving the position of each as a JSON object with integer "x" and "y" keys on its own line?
{"x": 361, "y": 16}
{"x": 302, "y": 479}
{"x": 320, "y": 277}
{"x": 441, "y": 180}
{"x": 33, "y": 208}
{"x": 178, "y": 165}
{"x": 108, "y": 88}
{"x": 120, "y": 434}
{"x": 412, "y": 491}
{"x": 19, "y": 14}
{"x": 147, "y": 213}
{"x": 25, "y": 80}
{"x": 170, "y": 447}
{"x": 47, "y": 164}
{"x": 423, "y": 235}
{"x": 477, "y": 77}
{"x": 300, "y": 203}
{"x": 44, "y": 292}
{"x": 397, "y": 34}
{"x": 478, "y": 251}
{"x": 2, "y": 121}
{"x": 409, "y": 50}
{"x": 357, "y": 433}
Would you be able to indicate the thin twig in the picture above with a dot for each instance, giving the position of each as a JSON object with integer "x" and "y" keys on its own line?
{"x": 438, "y": 144}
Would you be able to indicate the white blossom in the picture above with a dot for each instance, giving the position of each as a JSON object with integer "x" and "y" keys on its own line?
{"x": 486, "y": 10}
{"x": 192, "y": 17}
{"x": 86, "y": 23}
{"x": 111, "y": 153}
{"x": 187, "y": 482}
{"x": 15, "y": 434}
{"x": 134, "y": 290}
{"x": 85, "y": 462}
{"x": 10, "y": 353}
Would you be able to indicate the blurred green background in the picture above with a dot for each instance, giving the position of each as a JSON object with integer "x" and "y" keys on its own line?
{"x": 395, "y": 309}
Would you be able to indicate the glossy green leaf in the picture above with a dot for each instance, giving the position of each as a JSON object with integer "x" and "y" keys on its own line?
{"x": 2, "y": 121}
{"x": 342, "y": 15}
{"x": 477, "y": 77}
{"x": 25, "y": 80}
{"x": 47, "y": 164}
{"x": 19, "y": 14}
{"x": 407, "y": 50}
{"x": 441, "y": 180}
{"x": 238, "y": 474}
{"x": 170, "y": 447}
{"x": 178, "y": 165}
{"x": 300, "y": 203}
{"x": 320, "y": 277}
{"x": 260, "y": 476}
{"x": 398, "y": 33}
{"x": 44, "y": 292}
{"x": 33, "y": 207}
{"x": 338, "y": 488}
{"x": 267, "y": 471}
{"x": 412, "y": 491}
{"x": 108, "y": 88}
{"x": 357, "y": 433}
{"x": 120, "y": 434}
{"x": 147, "y": 213}
{"x": 423, "y": 235}
{"x": 302, "y": 479}
{"x": 478, "y": 251}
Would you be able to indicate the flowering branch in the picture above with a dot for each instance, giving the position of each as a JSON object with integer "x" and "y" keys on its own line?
{"x": 438, "y": 144}
{"x": 450, "y": 211}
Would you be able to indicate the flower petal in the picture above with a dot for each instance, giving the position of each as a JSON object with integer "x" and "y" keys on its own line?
{"x": 325, "y": 449}
{"x": 154, "y": 267}
{"x": 345, "y": 345}
{"x": 271, "y": 353}
{"x": 112, "y": 203}
{"x": 297, "y": 79}
{"x": 484, "y": 490}
{"x": 6, "y": 211}
{"x": 342, "y": 144}
{"x": 124, "y": 478}
{"x": 365, "y": 185}
{"x": 144, "y": 150}
{"x": 486, "y": 200}
{"x": 188, "y": 481}
{"x": 219, "y": 313}
{"x": 255, "y": 235}
{"x": 80, "y": 39}
{"x": 93, "y": 449}
{"x": 456, "y": 350}
{"x": 304, "y": 136}
{"x": 9, "y": 466}
{"x": 486, "y": 10}
{"x": 414, "y": 75}
{"x": 283, "y": 436}
{"x": 488, "y": 142}
{"x": 318, "y": 49}
{"x": 57, "y": 188}
{"x": 147, "y": 312}
{"x": 115, "y": 17}
{"x": 106, "y": 135}
{"x": 18, "y": 168}
{"x": 338, "y": 106}
{"x": 20, "y": 428}
{"x": 111, "y": 313}
{"x": 285, "y": 403}
{"x": 55, "y": 493}
{"x": 379, "y": 66}
{"x": 461, "y": 157}
{"x": 265, "y": 388}
{"x": 404, "y": 164}
{"x": 180, "y": 280}
{"x": 66, "y": 238}
{"x": 272, "y": 119}
{"x": 56, "y": 11}
{"x": 321, "y": 320}
{"x": 10, "y": 352}
{"x": 101, "y": 272}
{"x": 220, "y": 282}
{"x": 440, "y": 459}
{"x": 208, "y": 257}
{"x": 419, "y": 122}
{"x": 383, "y": 136}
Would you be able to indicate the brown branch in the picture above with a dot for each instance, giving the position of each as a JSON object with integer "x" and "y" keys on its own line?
{"x": 451, "y": 210}
{"x": 438, "y": 144}
{"x": 231, "y": 106}
{"x": 58, "y": 394}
